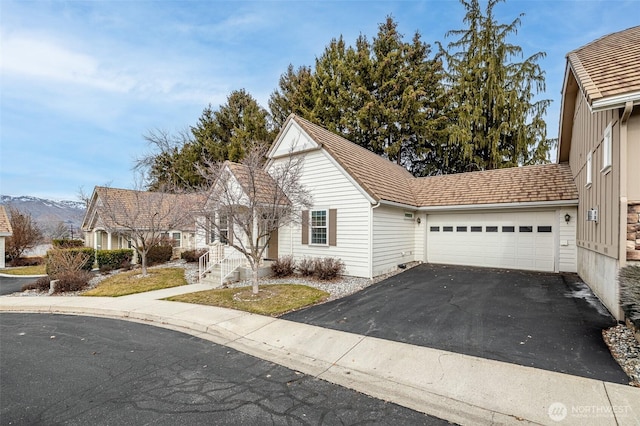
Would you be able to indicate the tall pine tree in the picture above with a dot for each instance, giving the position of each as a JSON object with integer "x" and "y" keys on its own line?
{"x": 496, "y": 120}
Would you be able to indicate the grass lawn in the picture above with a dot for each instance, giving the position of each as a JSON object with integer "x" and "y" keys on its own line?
{"x": 132, "y": 282}
{"x": 25, "y": 270}
{"x": 273, "y": 300}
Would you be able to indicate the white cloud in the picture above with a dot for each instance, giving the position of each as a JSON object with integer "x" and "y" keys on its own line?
{"x": 30, "y": 57}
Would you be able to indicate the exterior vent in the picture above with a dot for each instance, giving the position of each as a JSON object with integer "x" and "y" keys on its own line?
{"x": 592, "y": 215}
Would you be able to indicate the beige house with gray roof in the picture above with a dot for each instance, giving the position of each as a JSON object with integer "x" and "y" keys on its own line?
{"x": 374, "y": 215}
{"x": 600, "y": 139}
{"x": 5, "y": 231}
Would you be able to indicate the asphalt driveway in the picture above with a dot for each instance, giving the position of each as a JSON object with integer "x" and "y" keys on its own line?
{"x": 13, "y": 284}
{"x": 542, "y": 320}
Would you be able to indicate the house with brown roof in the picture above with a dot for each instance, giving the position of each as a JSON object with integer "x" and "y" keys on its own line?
{"x": 599, "y": 137}
{"x": 374, "y": 215}
{"x": 115, "y": 216}
{"x": 5, "y": 231}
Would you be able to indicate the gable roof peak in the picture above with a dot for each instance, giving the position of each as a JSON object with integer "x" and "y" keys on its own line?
{"x": 608, "y": 69}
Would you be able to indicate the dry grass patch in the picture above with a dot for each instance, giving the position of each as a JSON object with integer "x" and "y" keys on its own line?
{"x": 133, "y": 282}
{"x": 272, "y": 300}
{"x": 25, "y": 270}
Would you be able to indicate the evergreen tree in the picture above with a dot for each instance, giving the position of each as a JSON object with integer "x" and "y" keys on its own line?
{"x": 225, "y": 134}
{"x": 384, "y": 95}
{"x": 293, "y": 95}
{"x": 496, "y": 122}
{"x": 229, "y": 132}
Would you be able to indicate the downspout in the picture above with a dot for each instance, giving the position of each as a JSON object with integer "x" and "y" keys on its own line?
{"x": 624, "y": 201}
{"x": 373, "y": 206}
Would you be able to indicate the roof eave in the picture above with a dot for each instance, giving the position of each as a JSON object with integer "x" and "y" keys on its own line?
{"x": 494, "y": 206}
{"x": 396, "y": 204}
{"x": 613, "y": 102}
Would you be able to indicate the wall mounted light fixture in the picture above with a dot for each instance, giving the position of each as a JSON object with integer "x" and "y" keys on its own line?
{"x": 418, "y": 221}
{"x": 567, "y": 217}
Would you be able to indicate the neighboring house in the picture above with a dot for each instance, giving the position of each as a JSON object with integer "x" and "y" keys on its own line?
{"x": 374, "y": 215}
{"x": 113, "y": 212}
{"x": 5, "y": 231}
{"x": 600, "y": 138}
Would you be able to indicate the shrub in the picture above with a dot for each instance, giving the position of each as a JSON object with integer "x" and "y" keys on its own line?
{"x": 113, "y": 259}
{"x": 41, "y": 284}
{"x": 328, "y": 268}
{"x": 159, "y": 254}
{"x": 64, "y": 243}
{"x": 28, "y": 261}
{"x": 283, "y": 266}
{"x": 630, "y": 292}
{"x": 69, "y": 260}
{"x": 73, "y": 281}
{"x": 306, "y": 266}
{"x": 192, "y": 255}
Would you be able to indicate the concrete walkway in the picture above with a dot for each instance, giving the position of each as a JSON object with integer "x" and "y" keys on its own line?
{"x": 460, "y": 388}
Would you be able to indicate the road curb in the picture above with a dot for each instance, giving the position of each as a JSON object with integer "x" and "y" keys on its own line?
{"x": 458, "y": 388}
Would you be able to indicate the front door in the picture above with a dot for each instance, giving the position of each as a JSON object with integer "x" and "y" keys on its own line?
{"x": 272, "y": 249}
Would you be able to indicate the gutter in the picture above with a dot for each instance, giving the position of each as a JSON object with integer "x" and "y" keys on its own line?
{"x": 613, "y": 102}
{"x": 495, "y": 206}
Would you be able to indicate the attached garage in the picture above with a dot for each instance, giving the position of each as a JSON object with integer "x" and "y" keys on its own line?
{"x": 522, "y": 240}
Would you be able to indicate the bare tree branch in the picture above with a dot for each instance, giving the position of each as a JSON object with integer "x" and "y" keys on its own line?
{"x": 254, "y": 202}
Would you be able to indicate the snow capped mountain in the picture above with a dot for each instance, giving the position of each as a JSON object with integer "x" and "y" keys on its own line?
{"x": 50, "y": 215}
{"x": 25, "y": 199}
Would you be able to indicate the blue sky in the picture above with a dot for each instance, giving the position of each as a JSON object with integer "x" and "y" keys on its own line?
{"x": 81, "y": 82}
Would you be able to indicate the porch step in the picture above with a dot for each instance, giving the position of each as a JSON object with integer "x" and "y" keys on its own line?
{"x": 212, "y": 277}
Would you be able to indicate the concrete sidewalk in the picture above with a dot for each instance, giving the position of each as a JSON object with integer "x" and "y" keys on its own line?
{"x": 460, "y": 388}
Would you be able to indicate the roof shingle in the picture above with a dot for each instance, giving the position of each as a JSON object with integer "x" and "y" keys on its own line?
{"x": 137, "y": 208}
{"x": 609, "y": 66}
{"x": 387, "y": 181}
{"x": 547, "y": 182}
{"x": 5, "y": 224}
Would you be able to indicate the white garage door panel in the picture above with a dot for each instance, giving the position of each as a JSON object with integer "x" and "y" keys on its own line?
{"x": 518, "y": 249}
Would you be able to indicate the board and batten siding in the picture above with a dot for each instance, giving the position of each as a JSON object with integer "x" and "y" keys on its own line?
{"x": 394, "y": 238}
{"x": 331, "y": 189}
{"x": 604, "y": 192}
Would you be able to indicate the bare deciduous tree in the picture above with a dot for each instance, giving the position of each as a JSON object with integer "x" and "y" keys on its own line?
{"x": 26, "y": 234}
{"x": 254, "y": 202}
{"x": 144, "y": 217}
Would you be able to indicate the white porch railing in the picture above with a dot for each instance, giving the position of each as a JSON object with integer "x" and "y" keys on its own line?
{"x": 216, "y": 256}
{"x": 211, "y": 258}
{"x": 230, "y": 263}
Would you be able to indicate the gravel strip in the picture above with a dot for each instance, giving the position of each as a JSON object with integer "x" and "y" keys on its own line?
{"x": 625, "y": 349}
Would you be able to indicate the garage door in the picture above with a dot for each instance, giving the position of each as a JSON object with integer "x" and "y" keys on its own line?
{"x": 523, "y": 240}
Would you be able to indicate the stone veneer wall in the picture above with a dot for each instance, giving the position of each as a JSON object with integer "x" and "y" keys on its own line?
{"x": 633, "y": 232}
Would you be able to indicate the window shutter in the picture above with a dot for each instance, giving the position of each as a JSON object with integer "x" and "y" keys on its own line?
{"x": 333, "y": 213}
{"x": 305, "y": 226}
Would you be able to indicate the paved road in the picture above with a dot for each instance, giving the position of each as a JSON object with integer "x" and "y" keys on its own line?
{"x": 10, "y": 285}
{"x": 80, "y": 370}
{"x": 548, "y": 321}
